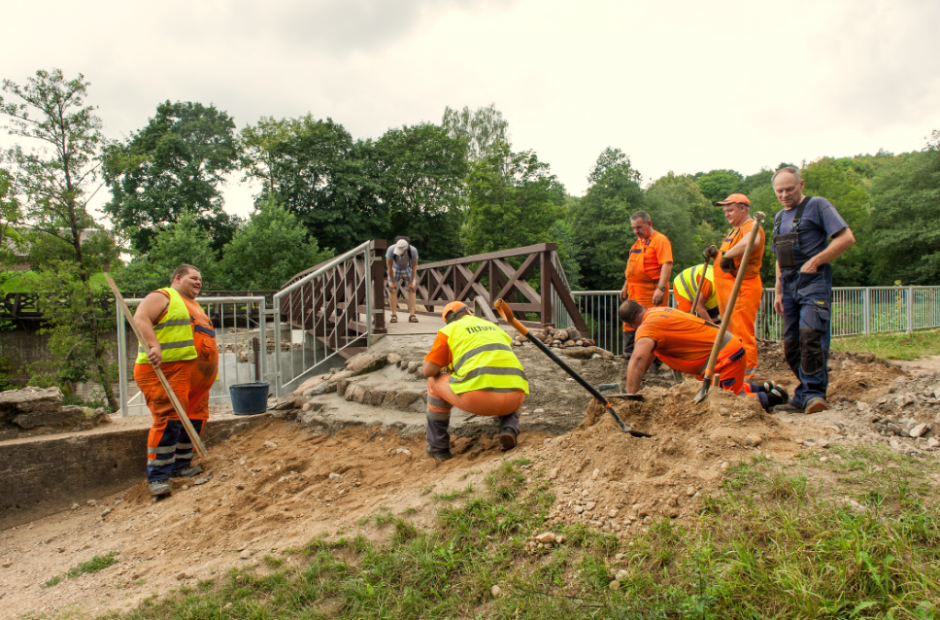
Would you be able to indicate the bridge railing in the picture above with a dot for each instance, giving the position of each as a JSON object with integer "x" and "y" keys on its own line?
{"x": 483, "y": 278}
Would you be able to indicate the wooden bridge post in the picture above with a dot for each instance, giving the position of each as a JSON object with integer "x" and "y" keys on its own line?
{"x": 546, "y": 288}
{"x": 379, "y": 246}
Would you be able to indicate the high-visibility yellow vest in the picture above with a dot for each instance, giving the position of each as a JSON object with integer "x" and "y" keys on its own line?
{"x": 686, "y": 283}
{"x": 174, "y": 331}
{"x": 483, "y": 357}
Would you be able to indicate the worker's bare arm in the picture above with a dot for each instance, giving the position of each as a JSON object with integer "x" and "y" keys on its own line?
{"x": 640, "y": 361}
{"x": 841, "y": 241}
{"x": 391, "y": 275}
{"x": 147, "y": 315}
{"x": 659, "y": 294}
{"x": 702, "y": 311}
{"x": 414, "y": 276}
{"x": 430, "y": 369}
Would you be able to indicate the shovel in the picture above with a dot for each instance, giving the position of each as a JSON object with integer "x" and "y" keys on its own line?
{"x": 710, "y": 375}
{"x": 503, "y": 308}
{"x": 710, "y": 253}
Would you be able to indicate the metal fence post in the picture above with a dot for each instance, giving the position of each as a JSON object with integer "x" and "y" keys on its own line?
{"x": 867, "y": 310}
{"x": 122, "y": 360}
{"x": 910, "y": 310}
{"x": 277, "y": 346}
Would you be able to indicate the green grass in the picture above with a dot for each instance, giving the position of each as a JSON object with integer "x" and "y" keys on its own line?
{"x": 97, "y": 563}
{"x": 894, "y": 347}
{"x": 857, "y": 536}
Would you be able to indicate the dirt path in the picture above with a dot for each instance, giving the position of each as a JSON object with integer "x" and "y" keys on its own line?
{"x": 280, "y": 485}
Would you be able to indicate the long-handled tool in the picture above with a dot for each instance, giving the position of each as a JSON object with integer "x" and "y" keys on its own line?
{"x": 726, "y": 319}
{"x": 510, "y": 318}
{"x": 180, "y": 411}
{"x": 710, "y": 253}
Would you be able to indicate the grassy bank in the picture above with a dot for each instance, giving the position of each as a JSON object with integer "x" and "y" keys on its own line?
{"x": 854, "y": 536}
{"x": 894, "y": 347}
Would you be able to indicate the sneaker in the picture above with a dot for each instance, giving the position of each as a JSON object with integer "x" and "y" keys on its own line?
{"x": 186, "y": 472}
{"x": 441, "y": 454}
{"x": 160, "y": 487}
{"x": 815, "y": 405}
{"x": 787, "y": 408}
{"x": 507, "y": 439}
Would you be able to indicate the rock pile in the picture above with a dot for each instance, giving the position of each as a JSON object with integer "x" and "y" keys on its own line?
{"x": 558, "y": 338}
{"x": 37, "y": 411}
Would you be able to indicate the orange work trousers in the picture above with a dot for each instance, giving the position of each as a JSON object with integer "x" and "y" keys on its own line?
{"x": 744, "y": 315}
{"x": 169, "y": 446}
{"x": 441, "y": 399}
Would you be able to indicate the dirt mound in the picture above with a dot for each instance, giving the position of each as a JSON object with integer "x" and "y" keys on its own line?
{"x": 609, "y": 479}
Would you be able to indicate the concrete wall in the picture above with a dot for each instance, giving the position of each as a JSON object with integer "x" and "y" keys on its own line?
{"x": 44, "y": 475}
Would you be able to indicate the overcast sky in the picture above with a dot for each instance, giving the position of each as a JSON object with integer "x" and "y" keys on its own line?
{"x": 684, "y": 86}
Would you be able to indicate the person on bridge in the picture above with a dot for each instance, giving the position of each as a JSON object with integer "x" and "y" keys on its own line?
{"x": 803, "y": 290}
{"x": 402, "y": 263}
{"x": 471, "y": 366}
{"x": 737, "y": 212}
{"x": 684, "y": 342}
{"x": 649, "y": 267}
{"x": 685, "y": 286}
{"x": 180, "y": 340}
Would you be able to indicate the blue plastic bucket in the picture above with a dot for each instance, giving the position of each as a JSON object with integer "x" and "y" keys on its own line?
{"x": 249, "y": 398}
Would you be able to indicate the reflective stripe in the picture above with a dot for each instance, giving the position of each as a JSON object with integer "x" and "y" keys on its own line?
{"x": 173, "y": 323}
{"x": 439, "y": 416}
{"x": 159, "y": 462}
{"x": 436, "y": 402}
{"x": 165, "y": 346}
{"x": 184, "y": 457}
{"x": 493, "y": 346}
{"x": 184, "y": 446}
{"x": 503, "y": 390}
{"x": 488, "y": 370}
{"x": 162, "y": 449}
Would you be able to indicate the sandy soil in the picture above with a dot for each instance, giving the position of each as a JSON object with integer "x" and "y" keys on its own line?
{"x": 281, "y": 485}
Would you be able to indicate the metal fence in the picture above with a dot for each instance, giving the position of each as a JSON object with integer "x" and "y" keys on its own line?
{"x": 854, "y": 311}
{"x": 241, "y": 335}
{"x": 322, "y": 313}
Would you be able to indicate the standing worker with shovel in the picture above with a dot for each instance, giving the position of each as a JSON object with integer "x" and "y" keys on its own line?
{"x": 179, "y": 340}
{"x": 737, "y": 212}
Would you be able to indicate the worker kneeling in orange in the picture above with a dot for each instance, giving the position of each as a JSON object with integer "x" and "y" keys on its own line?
{"x": 471, "y": 366}
{"x": 180, "y": 341}
{"x": 737, "y": 212}
{"x": 684, "y": 342}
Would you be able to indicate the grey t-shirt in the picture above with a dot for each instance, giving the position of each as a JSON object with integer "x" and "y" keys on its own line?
{"x": 820, "y": 221}
{"x": 402, "y": 262}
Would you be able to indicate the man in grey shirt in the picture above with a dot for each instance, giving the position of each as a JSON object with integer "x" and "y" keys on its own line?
{"x": 402, "y": 260}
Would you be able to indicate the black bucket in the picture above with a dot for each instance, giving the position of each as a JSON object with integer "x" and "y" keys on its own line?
{"x": 249, "y": 398}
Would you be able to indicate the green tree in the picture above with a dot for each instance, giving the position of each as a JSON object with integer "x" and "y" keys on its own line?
{"x": 483, "y": 129}
{"x": 174, "y": 165}
{"x": 905, "y": 239}
{"x": 269, "y": 250}
{"x": 672, "y": 202}
{"x": 514, "y": 201}
{"x": 717, "y": 185}
{"x": 420, "y": 173}
{"x": 11, "y": 241}
{"x": 54, "y": 180}
{"x": 602, "y": 220}
{"x": 315, "y": 169}
{"x": 183, "y": 242}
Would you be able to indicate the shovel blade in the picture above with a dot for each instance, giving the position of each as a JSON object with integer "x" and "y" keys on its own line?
{"x": 702, "y": 393}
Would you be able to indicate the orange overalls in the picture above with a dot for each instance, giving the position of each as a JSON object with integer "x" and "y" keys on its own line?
{"x": 643, "y": 269}
{"x": 749, "y": 297}
{"x": 169, "y": 446}
{"x": 684, "y": 342}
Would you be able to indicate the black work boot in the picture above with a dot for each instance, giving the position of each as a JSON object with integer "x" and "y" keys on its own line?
{"x": 441, "y": 454}
{"x": 507, "y": 439}
{"x": 160, "y": 487}
{"x": 186, "y": 472}
{"x": 777, "y": 396}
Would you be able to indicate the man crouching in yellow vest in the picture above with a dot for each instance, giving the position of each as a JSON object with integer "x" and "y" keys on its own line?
{"x": 471, "y": 366}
